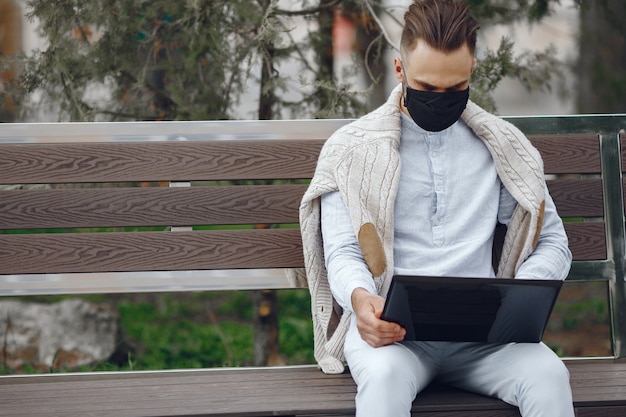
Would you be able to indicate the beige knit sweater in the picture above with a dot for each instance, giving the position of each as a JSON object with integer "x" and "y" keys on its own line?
{"x": 361, "y": 161}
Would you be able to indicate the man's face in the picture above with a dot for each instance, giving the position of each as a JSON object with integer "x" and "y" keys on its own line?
{"x": 429, "y": 69}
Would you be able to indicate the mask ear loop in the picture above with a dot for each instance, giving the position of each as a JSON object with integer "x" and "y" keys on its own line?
{"x": 405, "y": 84}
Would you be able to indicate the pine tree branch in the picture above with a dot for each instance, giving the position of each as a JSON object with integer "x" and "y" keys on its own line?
{"x": 77, "y": 104}
{"x": 306, "y": 12}
{"x": 380, "y": 25}
{"x": 366, "y": 60}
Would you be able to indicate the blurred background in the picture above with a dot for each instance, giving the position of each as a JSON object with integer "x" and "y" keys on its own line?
{"x": 79, "y": 60}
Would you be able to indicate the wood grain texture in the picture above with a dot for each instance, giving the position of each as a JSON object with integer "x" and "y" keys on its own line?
{"x": 150, "y": 251}
{"x": 145, "y": 251}
{"x": 157, "y": 161}
{"x": 569, "y": 154}
{"x": 577, "y": 197}
{"x": 304, "y": 391}
{"x": 587, "y": 241}
{"x": 599, "y": 411}
{"x": 119, "y": 207}
{"x": 134, "y": 207}
{"x": 220, "y": 160}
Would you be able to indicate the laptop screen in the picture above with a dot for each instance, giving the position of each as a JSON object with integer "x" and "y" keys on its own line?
{"x": 489, "y": 310}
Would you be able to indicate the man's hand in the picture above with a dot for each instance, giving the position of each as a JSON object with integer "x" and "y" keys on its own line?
{"x": 373, "y": 330}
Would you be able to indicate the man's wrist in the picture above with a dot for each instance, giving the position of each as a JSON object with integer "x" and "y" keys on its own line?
{"x": 357, "y": 294}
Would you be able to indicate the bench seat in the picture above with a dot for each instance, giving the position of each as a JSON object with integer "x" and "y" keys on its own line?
{"x": 599, "y": 389}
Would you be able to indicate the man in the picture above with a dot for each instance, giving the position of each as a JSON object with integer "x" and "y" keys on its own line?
{"x": 417, "y": 187}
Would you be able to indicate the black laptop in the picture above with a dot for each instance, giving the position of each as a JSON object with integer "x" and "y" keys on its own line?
{"x": 490, "y": 310}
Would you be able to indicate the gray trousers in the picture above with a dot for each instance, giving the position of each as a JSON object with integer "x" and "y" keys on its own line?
{"x": 527, "y": 375}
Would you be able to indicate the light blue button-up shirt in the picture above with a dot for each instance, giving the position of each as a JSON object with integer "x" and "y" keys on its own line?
{"x": 448, "y": 203}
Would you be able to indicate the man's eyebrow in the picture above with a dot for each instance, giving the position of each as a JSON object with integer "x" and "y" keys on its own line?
{"x": 454, "y": 87}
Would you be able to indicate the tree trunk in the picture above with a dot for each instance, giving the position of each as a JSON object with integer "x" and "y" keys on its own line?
{"x": 267, "y": 100}
{"x": 372, "y": 47}
{"x": 324, "y": 53}
{"x": 266, "y": 348}
{"x": 10, "y": 44}
{"x": 601, "y": 68}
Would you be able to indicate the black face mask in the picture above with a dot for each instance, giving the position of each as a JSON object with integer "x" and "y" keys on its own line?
{"x": 435, "y": 111}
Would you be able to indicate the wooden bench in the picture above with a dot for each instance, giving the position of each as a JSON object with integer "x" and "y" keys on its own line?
{"x": 218, "y": 173}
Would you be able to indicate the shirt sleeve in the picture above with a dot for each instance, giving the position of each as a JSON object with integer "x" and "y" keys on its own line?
{"x": 552, "y": 258}
{"x": 344, "y": 261}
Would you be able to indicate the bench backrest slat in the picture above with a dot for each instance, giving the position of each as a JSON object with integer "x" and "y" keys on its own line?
{"x": 569, "y": 154}
{"x": 150, "y": 251}
{"x": 33, "y": 163}
{"x": 587, "y": 241}
{"x": 150, "y": 206}
{"x": 577, "y": 197}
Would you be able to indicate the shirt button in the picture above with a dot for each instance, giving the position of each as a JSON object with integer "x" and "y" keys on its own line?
{"x": 435, "y": 154}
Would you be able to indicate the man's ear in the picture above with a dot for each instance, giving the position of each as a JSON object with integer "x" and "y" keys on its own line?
{"x": 473, "y": 66}
{"x": 397, "y": 67}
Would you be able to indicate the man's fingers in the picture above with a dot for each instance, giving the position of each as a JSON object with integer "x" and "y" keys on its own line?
{"x": 373, "y": 330}
{"x": 376, "y": 340}
{"x": 378, "y": 332}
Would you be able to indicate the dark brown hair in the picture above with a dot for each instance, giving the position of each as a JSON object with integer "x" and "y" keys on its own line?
{"x": 444, "y": 25}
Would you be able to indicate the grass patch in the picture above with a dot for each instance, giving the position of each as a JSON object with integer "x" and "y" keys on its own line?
{"x": 196, "y": 330}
